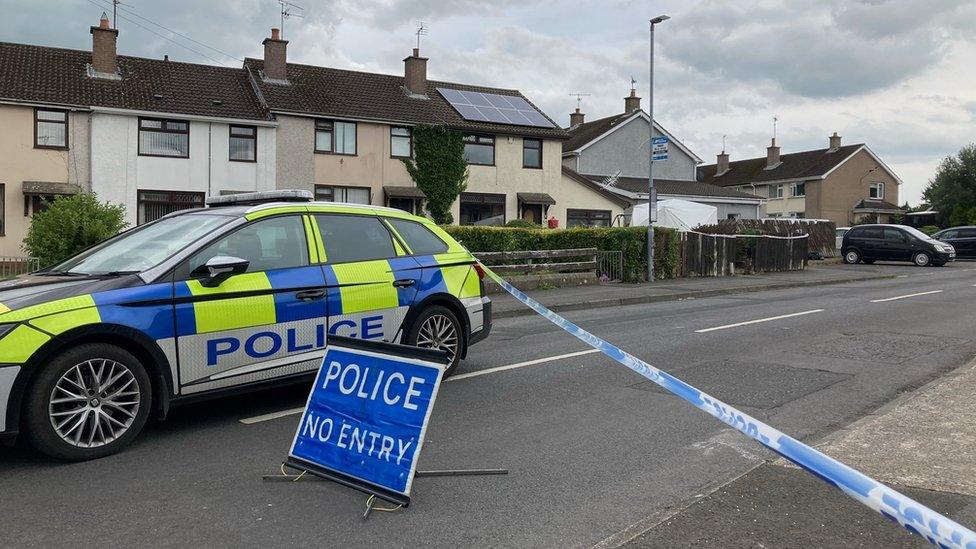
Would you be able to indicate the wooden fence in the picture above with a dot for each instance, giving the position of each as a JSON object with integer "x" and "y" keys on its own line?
{"x": 706, "y": 255}
{"x": 779, "y": 253}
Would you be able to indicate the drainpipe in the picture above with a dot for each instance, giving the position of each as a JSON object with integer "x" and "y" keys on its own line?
{"x": 209, "y": 159}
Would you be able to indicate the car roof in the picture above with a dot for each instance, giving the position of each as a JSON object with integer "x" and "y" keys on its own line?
{"x": 271, "y": 208}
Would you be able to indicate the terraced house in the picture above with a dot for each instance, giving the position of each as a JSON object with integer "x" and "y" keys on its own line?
{"x": 343, "y": 134}
{"x": 152, "y": 134}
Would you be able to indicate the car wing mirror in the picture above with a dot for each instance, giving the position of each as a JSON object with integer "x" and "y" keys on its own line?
{"x": 222, "y": 267}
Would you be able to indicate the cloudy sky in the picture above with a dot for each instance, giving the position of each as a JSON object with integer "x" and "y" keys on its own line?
{"x": 895, "y": 74}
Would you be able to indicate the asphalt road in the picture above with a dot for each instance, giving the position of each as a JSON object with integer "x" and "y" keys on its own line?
{"x": 596, "y": 453}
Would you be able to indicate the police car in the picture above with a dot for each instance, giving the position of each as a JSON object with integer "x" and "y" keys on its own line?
{"x": 239, "y": 295}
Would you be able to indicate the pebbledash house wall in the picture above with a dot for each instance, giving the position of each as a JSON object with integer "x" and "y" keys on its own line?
{"x": 621, "y": 150}
{"x": 834, "y": 198}
{"x": 119, "y": 172}
{"x": 21, "y": 161}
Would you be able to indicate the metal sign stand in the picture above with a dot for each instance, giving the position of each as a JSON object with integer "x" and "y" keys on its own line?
{"x": 371, "y": 500}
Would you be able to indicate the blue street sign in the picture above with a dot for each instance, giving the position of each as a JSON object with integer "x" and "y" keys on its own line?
{"x": 659, "y": 148}
{"x": 366, "y": 415}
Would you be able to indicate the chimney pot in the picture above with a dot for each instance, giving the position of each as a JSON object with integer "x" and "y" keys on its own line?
{"x": 772, "y": 154}
{"x": 275, "y": 56}
{"x": 576, "y": 118}
{"x": 834, "y": 142}
{"x": 415, "y": 73}
{"x": 104, "y": 56}
{"x": 722, "y": 164}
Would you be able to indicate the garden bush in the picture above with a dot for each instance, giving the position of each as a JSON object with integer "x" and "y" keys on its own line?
{"x": 929, "y": 229}
{"x": 629, "y": 240}
{"x": 71, "y": 224}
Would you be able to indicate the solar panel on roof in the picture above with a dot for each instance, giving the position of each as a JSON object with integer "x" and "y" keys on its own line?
{"x": 491, "y": 107}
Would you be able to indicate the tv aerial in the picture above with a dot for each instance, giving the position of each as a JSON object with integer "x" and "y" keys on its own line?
{"x": 289, "y": 10}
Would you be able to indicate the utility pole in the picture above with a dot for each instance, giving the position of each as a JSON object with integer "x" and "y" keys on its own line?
{"x": 651, "y": 198}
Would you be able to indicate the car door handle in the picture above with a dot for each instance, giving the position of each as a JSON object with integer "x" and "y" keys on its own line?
{"x": 310, "y": 295}
{"x": 404, "y": 282}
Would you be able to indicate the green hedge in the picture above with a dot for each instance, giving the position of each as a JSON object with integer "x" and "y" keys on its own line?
{"x": 629, "y": 240}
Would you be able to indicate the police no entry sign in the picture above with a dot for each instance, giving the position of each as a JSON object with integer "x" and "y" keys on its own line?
{"x": 365, "y": 419}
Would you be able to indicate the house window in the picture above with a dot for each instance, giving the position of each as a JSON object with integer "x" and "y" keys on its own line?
{"x": 151, "y": 205}
{"x": 401, "y": 142}
{"x": 798, "y": 189}
{"x": 50, "y": 129}
{"x": 350, "y": 195}
{"x": 335, "y": 137}
{"x": 243, "y": 143}
{"x": 531, "y": 153}
{"x": 164, "y": 138}
{"x": 797, "y": 215}
{"x": 776, "y": 191}
{"x": 587, "y": 218}
{"x": 877, "y": 190}
{"x": 479, "y": 150}
{"x": 482, "y": 209}
{"x": 733, "y": 216}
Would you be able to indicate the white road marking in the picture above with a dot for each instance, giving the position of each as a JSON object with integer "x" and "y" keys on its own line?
{"x": 272, "y": 415}
{"x": 770, "y": 319}
{"x": 296, "y": 411}
{"x": 521, "y": 365}
{"x": 905, "y": 296}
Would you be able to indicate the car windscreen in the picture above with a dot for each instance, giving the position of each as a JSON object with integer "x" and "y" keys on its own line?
{"x": 143, "y": 247}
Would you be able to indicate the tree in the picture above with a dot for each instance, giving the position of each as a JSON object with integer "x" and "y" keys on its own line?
{"x": 71, "y": 224}
{"x": 438, "y": 169}
{"x": 952, "y": 192}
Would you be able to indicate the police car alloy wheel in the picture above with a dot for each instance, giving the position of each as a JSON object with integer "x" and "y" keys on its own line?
{"x": 852, "y": 257}
{"x": 89, "y": 402}
{"x": 922, "y": 259}
{"x": 438, "y": 328}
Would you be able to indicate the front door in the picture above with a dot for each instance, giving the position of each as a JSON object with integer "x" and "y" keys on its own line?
{"x": 532, "y": 213}
{"x": 372, "y": 283}
{"x": 266, "y": 323}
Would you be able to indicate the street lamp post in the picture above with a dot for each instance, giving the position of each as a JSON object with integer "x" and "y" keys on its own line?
{"x": 651, "y": 201}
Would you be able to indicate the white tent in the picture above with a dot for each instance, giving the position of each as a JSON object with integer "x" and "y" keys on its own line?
{"x": 678, "y": 214}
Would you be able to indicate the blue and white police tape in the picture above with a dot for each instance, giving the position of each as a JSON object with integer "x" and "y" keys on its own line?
{"x": 914, "y": 516}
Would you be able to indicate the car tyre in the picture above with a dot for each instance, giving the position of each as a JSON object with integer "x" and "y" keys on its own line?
{"x": 88, "y": 402}
{"x": 922, "y": 259}
{"x": 852, "y": 257}
{"x": 438, "y": 327}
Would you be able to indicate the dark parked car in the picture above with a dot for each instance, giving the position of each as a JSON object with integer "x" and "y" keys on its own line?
{"x": 868, "y": 243}
{"x": 963, "y": 239}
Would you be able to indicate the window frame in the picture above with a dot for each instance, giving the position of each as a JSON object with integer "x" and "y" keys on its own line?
{"x": 163, "y": 129}
{"x": 588, "y": 212}
{"x": 526, "y": 140}
{"x": 315, "y": 193}
{"x": 409, "y": 137}
{"x": 140, "y": 201}
{"x": 777, "y": 191}
{"x": 475, "y": 139}
{"x": 253, "y": 138}
{"x": 483, "y": 197}
{"x": 67, "y": 137}
{"x": 877, "y": 189}
{"x": 332, "y": 137}
{"x": 794, "y": 186}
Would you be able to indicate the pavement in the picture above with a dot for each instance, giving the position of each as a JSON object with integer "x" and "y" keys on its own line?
{"x": 597, "y": 454}
{"x": 616, "y": 294}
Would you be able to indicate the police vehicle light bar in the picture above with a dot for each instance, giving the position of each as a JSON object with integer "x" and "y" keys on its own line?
{"x": 262, "y": 197}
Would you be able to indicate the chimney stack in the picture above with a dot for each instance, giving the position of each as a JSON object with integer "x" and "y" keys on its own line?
{"x": 834, "y": 142}
{"x": 275, "y": 56}
{"x": 415, "y": 73}
{"x": 722, "y": 165}
{"x": 632, "y": 103}
{"x": 772, "y": 154}
{"x": 104, "y": 60}
{"x": 575, "y": 118}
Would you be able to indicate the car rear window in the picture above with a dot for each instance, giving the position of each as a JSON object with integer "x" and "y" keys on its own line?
{"x": 866, "y": 232}
{"x": 967, "y": 233}
{"x": 420, "y": 239}
{"x": 354, "y": 238}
